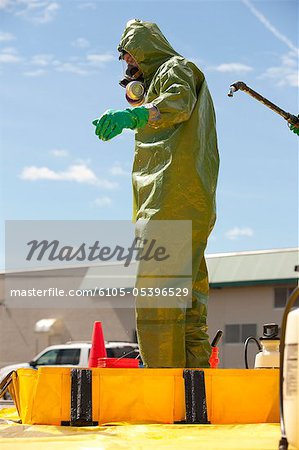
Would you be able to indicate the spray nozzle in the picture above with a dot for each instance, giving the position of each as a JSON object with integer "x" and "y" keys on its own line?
{"x": 236, "y": 86}
{"x": 270, "y": 331}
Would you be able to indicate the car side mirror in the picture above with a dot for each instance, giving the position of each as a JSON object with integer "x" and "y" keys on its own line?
{"x": 32, "y": 363}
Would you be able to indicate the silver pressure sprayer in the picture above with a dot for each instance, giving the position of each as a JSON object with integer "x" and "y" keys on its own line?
{"x": 239, "y": 85}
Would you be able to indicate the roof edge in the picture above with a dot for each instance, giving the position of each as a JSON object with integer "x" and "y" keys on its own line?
{"x": 226, "y": 284}
{"x": 253, "y": 252}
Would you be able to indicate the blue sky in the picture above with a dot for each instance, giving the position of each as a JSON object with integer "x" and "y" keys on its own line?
{"x": 59, "y": 70}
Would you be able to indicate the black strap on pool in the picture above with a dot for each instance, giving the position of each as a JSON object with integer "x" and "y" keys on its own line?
{"x": 81, "y": 398}
{"x": 195, "y": 397}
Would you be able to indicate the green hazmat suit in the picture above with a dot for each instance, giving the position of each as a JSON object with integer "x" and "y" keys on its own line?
{"x": 174, "y": 178}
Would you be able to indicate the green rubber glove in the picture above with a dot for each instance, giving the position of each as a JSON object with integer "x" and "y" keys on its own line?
{"x": 295, "y": 129}
{"x": 112, "y": 122}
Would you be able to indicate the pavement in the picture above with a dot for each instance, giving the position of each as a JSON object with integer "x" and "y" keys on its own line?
{"x": 6, "y": 404}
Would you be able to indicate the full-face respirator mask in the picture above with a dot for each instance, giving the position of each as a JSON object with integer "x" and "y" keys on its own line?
{"x": 133, "y": 82}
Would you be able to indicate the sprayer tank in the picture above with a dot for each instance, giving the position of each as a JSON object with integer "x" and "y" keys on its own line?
{"x": 291, "y": 379}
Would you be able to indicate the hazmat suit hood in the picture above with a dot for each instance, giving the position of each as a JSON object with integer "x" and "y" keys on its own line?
{"x": 148, "y": 46}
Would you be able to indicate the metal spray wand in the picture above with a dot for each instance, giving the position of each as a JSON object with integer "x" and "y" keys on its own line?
{"x": 239, "y": 85}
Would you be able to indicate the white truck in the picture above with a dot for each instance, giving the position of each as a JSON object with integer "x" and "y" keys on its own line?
{"x": 73, "y": 354}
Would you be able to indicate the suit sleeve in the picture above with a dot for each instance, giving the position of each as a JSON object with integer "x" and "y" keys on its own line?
{"x": 176, "y": 95}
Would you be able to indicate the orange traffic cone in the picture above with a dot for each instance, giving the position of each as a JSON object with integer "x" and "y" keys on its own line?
{"x": 98, "y": 349}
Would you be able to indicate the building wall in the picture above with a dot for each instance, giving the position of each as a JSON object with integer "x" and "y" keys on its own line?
{"x": 239, "y": 305}
{"x": 20, "y": 343}
{"x": 18, "y": 340}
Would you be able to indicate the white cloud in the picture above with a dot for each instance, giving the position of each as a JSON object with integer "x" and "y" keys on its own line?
{"x": 48, "y": 61}
{"x": 81, "y": 43}
{"x": 236, "y": 232}
{"x": 71, "y": 67}
{"x": 285, "y": 74}
{"x": 4, "y": 3}
{"x": 86, "y": 5}
{"x": 45, "y": 62}
{"x": 34, "y": 173}
{"x": 42, "y": 60}
{"x": 102, "y": 201}
{"x": 7, "y": 58}
{"x": 35, "y": 73}
{"x": 118, "y": 170}
{"x": 81, "y": 66}
{"x": 37, "y": 11}
{"x": 49, "y": 12}
{"x": 4, "y": 36}
{"x": 267, "y": 24}
{"x": 60, "y": 153}
{"x": 232, "y": 67}
{"x": 79, "y": 173}
{"x": 97, "y": 59}
{"x": 9, "y": 55}
{"x": 290, "y": 60}
{"x": 11, "y": 50}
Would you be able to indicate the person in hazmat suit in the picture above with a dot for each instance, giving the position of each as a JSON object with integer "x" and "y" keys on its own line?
{"x": 174, "y": 178}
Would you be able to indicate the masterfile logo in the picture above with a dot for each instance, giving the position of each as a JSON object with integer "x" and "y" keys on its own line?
{"x": 140, "y": 250}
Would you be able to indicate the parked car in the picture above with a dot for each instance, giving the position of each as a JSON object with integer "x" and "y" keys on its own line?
{"x": 73, "y": 354}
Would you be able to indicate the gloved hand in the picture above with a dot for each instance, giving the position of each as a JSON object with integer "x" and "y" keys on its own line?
{"x": 295, "y": 129}
{"x": 112, "y": 122}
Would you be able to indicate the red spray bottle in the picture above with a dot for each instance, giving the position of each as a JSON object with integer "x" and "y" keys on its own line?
{"x": 214, "y": 358}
